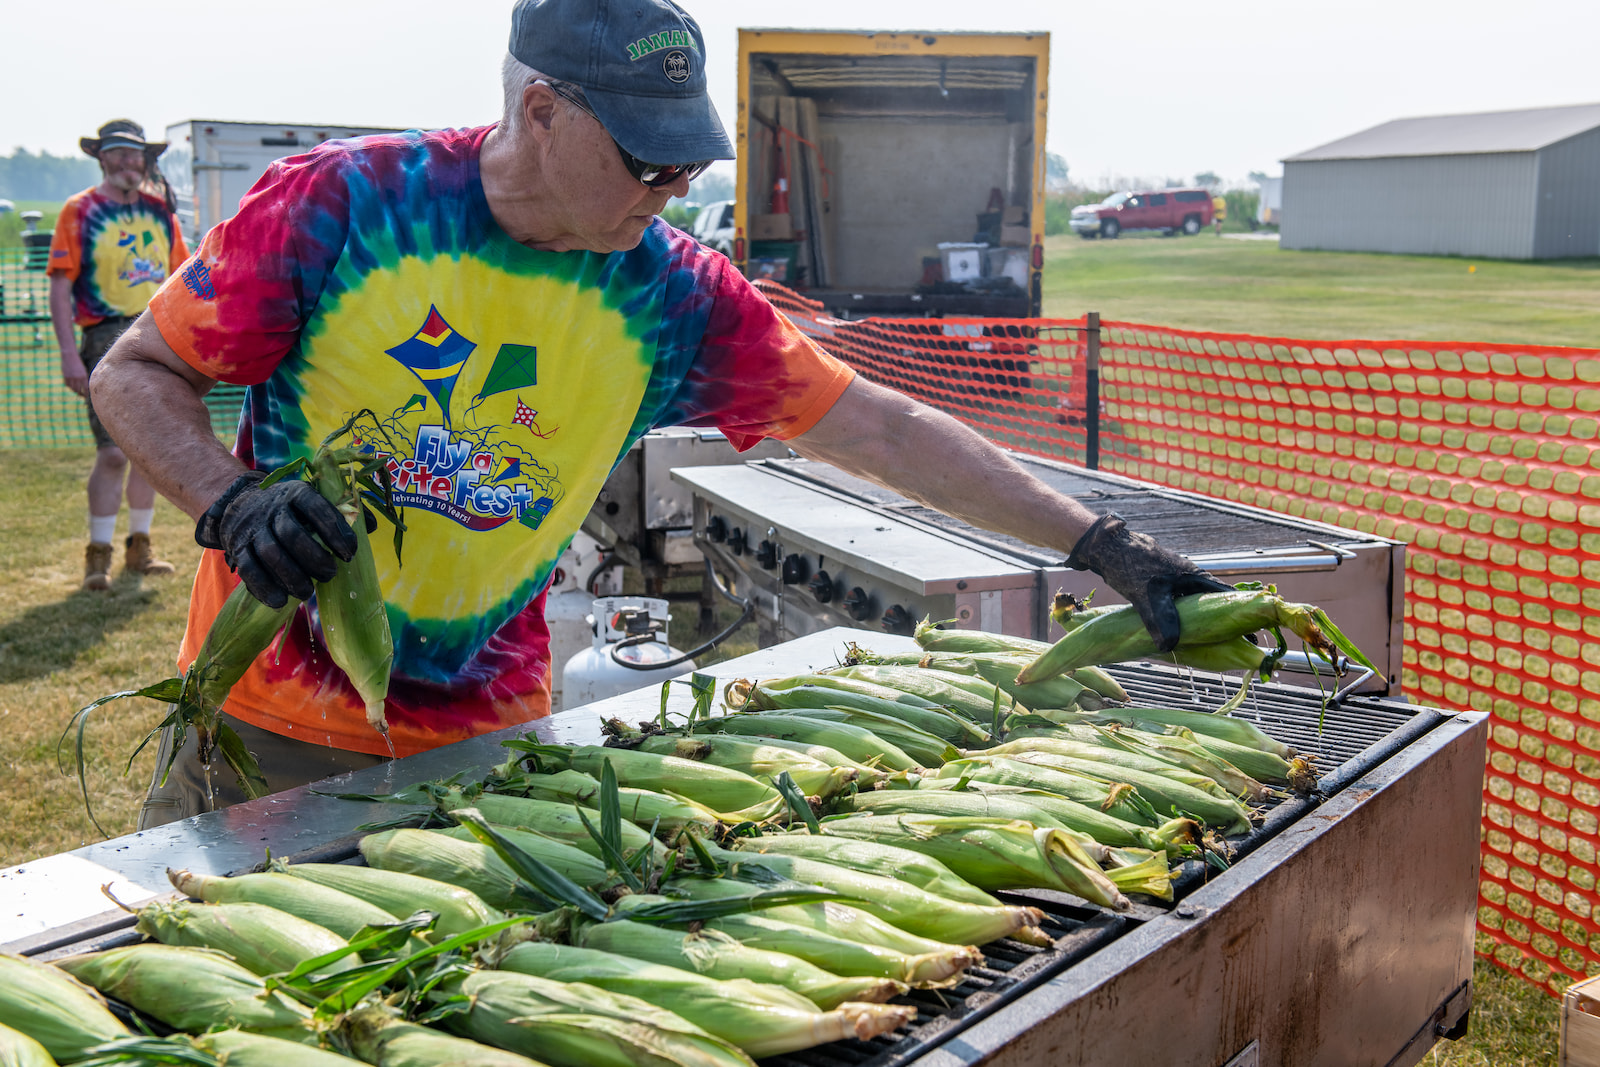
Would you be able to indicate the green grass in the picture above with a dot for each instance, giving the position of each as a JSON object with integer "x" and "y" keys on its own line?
{"x": 1212, "y": 283}
{"x": 11, "y": 221}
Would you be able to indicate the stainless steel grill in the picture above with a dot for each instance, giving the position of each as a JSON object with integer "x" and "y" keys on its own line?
{"x": 1342, "y": 933}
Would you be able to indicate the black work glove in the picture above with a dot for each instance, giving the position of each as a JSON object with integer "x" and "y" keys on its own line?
{"x": 1150, "y": 577}
{"x": 266, "y": 536}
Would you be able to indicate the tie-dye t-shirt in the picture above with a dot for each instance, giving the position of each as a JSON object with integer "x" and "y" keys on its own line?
{"x": 368, "y": 278}
{"x": 117, "y": 255}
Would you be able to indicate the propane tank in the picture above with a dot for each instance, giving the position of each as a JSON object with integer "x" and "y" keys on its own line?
{"x": 568, "y": 604}
{"x": 593, "y": 674}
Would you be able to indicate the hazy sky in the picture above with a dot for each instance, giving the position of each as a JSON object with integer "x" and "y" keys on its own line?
{"x": 1153, "y": 89}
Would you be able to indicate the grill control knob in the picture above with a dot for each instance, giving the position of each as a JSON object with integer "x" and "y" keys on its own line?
{"x": 821, "y": 586}
{"x": 795, "y": 569}
{"x": 857, "y": 603}
{"x": 767, "y": 555}
{"x": 897, "y": 620}
{"x": 717, "y": 529}
{"x": 736, "y": 542}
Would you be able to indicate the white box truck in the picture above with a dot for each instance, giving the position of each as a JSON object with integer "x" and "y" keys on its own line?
{"x": 211, "y": 164}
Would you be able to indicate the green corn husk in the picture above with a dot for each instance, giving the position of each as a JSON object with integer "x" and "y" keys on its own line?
{"x": 577, "y": 1025}
{"x": 992, "y": 853}
{"x": 899, "y": 903}
{"x": 872, "y": 857}
{"x": 240, "y": 1048}
{"x": 970, "y": 642}
{"x": 856, "y": 742}
{"x": 826, "y": 916}
{"x": 1139, "y": 870}
{"x": 1117, "y": 799}
{"x": 382, "y": 1039}
{"x": 192, "y": 989}
{"x": 969, "y": 804}
{"x": 671, "y": 815}
{"x": 17, "y": 1049}
{"x": 815, "y": 778}
{"x": 1176, "y": 837}
{"x": 464, "y": 861}
{"x": 906, "y": 674}
{"x": 552, "y": 818}
{"x": 1238, "y": 654}
{"x": 762, "y": 1019}
{"x": 1157, "y": 720}
{"x": 262, "y": 938}
{"x": 866, "y": 776}
{"x": 350, "y": 605}
{"x": 53, "y": 1008}
{"x": 1263, "y": 766}
{"x": 998, "y": 669}
{"x": 537, "y": 843}
{"x": 716, "y": 955}
{"x": 328, "y": 908}
{"x": 1152, "y": 752}
{"x": 403, "y": 895}
{"x": 725, "y": 791}
{"x": 927, "y": 749}
{"x": 1165, "y": 790}
{"x": 1130, "y": 766}
{"x": 946, "y": 726}
{"x": 1204, "y": 619}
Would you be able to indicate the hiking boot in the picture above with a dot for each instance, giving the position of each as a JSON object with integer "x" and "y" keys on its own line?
{"x": 140, "y": 561}
{"x": 97, "y": 567}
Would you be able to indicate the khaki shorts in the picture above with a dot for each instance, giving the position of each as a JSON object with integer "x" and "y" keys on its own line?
{"x": 285, "y": 763}
{"x": 97, "y": 341}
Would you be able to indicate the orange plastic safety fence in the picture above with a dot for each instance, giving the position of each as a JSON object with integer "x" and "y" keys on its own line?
{"x": 1482, "y": 458}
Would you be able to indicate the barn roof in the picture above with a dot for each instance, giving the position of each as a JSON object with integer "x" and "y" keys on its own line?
{"x": 1446, "y": 135}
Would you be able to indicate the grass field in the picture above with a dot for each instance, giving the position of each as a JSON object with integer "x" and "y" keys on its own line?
{"x": 1215, "y": 283}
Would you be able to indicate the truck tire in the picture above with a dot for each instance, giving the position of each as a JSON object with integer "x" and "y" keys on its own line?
{"x": 1191, "y": 225}
{"x": 1110, "y": 228}
{"x": 1088, "y": 235}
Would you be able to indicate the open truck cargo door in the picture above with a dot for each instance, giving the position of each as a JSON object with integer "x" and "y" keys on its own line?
{"x": 894, "y": 173}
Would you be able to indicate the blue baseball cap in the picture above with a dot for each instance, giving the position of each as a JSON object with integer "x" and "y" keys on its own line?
{"x": 641, "y": 65}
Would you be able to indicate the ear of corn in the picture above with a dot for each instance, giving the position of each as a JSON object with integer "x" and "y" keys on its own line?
{"x": 997, "y": 669}
{"x": 921, "y": 674}
{"x": 929, "y": 750}
{"x": 968, "y": 803}
{"x": 192, "y": 989}
{"x": 992, "y": 853}
{"x": 262, "y": 938}
{"x": 814, "y": 777}
{"x": 1117, "y": 799}
{"x": 329, "y": 908}
{"x": 403, "y": 895}
{"x": 553, "y": 818}
{"x": 350, "y": 606}
{"x": 475, "y": 867}
{"x": 1117, "y": 750}
{"x": 899, "y": 903}
{"x": 240, "y": 1048}
{"x": 1136, "y": 870}
{"x": 856, "y": 742}
{"x": 1156, "y": 720}
{"x": 577, "y": 1025}
{"x": 642, "y": 807}
{"x": 966, "y": 642}
{"x": 843, "y": 955}
{"x": 380, "y": 1038}
{"x": 871, "y": 857}
{"x": 1167, "y": 790}
{"x": 1177, "y": 837}
{"x": 17, "y": 1049}
{"x": 719, "y": 956}
{"x": 866, "y": 776}
{"x": 718, "y": 788}
{"x": 762, "y": 1019}
{"x": 841, "y": 689}
{"x": 54, "y": 1009}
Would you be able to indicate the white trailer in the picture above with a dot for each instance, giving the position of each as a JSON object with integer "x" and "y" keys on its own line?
{"x": 211, "y": 164}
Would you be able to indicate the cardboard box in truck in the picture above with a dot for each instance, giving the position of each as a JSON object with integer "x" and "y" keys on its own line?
{"x": 211, "y": 164}
{"x": 880, "y": 148}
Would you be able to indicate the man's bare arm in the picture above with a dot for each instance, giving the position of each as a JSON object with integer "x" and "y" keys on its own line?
{"x": 152, "y": 403}
{"x": 72, "y": 369}
{"x": 888, "y": 438}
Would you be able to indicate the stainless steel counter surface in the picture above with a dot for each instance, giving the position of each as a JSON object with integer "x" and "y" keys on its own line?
{"x": 57, "y": 891}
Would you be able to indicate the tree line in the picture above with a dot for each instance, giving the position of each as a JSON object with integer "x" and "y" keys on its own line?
{"x": 26, "y": 176}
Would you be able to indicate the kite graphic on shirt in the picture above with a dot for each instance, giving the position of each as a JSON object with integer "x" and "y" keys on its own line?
{"x": 529, "y": 417}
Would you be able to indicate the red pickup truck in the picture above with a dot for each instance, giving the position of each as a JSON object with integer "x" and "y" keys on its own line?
{"x": 1168, "y": 210}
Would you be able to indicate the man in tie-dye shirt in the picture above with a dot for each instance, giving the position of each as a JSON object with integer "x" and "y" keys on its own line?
{"x": 504, "y": 313}
{"x": 113, "y": 246}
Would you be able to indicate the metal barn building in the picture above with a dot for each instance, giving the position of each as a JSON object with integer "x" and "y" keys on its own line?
{"x": 1501, "y": 185}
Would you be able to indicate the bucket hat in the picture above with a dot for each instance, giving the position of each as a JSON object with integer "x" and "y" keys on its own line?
{"x": 121, "y": 133}
{"x": 641, "y": 64}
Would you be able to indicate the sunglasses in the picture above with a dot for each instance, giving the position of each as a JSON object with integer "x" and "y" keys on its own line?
{"x": 655, "y": 175}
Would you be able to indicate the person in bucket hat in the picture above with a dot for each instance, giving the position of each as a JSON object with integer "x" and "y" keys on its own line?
{"x": 113, "y": 246}
{"x": 501, "y": 312}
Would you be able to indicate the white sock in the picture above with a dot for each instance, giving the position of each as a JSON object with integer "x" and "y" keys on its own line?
{"x": 139, "y": 520}
{"x": 102, "y": 528}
